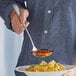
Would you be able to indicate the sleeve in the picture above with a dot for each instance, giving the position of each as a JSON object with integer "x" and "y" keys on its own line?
{"x": 73, "y": 21}
{"x": 5, "y": 10}
{"x": 73, "y": 7}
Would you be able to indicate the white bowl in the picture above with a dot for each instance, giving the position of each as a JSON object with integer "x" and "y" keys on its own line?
{"x": 55, "y": 73}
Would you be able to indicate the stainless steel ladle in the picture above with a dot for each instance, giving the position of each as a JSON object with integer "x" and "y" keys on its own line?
{"x": 34, "y": 49}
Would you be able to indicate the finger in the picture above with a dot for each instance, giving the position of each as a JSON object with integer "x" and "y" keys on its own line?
{"x": 25, "y": 25}
{"x": 23, "y": 15}
{"x": 25, "y": 11}
{"x": 66, "y": 74}
{"x": 74, "y": 62}
{"x": 17, "y": 28}
{"x": 70, "y": 73}
{"x": 23, "y": 19}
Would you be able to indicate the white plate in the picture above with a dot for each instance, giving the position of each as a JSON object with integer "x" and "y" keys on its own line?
{"x": 56, "y": 73}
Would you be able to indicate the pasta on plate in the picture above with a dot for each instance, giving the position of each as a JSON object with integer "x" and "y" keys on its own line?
{"x": 46, "y": 67}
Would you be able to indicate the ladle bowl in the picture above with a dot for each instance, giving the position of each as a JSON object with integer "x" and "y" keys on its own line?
{"x": 42, "y": 53}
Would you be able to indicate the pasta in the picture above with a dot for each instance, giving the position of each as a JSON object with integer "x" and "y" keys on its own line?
{"x": 46, "y": 67}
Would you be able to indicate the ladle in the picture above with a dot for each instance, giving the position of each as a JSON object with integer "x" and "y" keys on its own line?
{"x": 36, "y": 52}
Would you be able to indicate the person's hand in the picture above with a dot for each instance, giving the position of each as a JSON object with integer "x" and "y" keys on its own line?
{"x": 70, "y": 73}
{"x": 17, "y": 21}
{"x": 74, "y": 62}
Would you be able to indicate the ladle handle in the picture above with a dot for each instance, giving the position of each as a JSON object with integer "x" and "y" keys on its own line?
{"x": 16, "y": 8}
{"x": 34, "y": 48}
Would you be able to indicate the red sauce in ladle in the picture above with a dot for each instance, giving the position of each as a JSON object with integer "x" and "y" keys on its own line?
{"x": 42, "y": 53}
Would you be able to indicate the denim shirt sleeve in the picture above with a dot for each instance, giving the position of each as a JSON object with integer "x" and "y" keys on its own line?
{"x": 5, "y": 10}
{"x": 73, "y": 6}
{"x": 72, "y": 9}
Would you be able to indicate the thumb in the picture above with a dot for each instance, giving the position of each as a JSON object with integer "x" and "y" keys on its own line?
{"x": 26, "y": 25}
